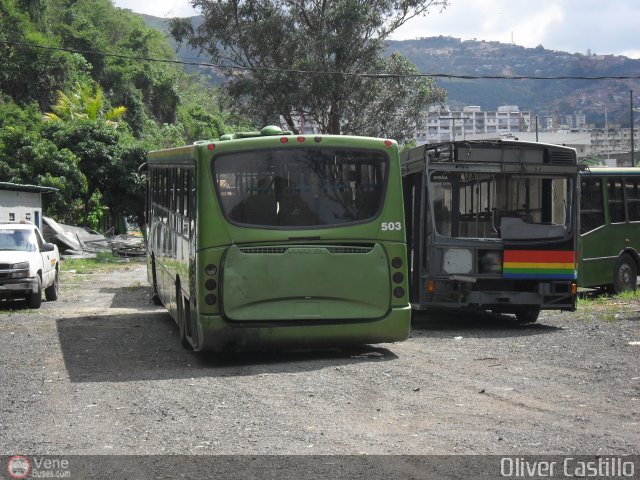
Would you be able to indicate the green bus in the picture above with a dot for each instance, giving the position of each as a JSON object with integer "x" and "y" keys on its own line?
{"x": 609, "y": 228}
{"x": 493, "y": 226}
{"x": 266, "y": 239}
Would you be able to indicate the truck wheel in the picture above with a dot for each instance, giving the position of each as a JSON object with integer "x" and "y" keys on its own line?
{"x": 625, "y": 274}
{"x": 51, "y": 292}
{"x": 528, "y": 315}
{"x": 34, "y": 299}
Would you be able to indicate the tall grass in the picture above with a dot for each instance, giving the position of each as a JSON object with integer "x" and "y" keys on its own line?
{"x": 102, "y": 262}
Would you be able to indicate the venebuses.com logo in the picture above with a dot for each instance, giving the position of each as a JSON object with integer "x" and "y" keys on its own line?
{"x": 18, "y": 466}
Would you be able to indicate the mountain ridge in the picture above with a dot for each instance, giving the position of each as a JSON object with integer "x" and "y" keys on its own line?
{"x": 451, "y": 55}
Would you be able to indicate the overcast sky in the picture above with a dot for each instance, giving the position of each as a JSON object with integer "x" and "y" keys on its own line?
{"x": 574, "y": 26}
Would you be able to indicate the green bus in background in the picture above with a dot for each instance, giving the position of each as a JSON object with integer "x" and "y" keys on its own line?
{"x": 267, "y": 239}
{"x": 609, "y": 228}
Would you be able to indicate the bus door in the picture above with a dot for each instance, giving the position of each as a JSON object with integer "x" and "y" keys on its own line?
{"x": 596, "y": 251}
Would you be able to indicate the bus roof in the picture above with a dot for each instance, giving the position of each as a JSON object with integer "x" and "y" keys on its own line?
{"x": 187, "y": 154}
{"x": 604, "y": 171}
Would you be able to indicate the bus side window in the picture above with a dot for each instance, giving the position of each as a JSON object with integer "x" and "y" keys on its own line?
{"x": 591, "y": 205}
{"x": 632, "y": 191}
{"x": 616, "y": 201}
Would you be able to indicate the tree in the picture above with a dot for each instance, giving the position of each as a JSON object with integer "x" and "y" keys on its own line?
{"x": 85, "y": 102}
{"x": 87, "y": 149}
{"x": 299, "y": 58}
{"x": 26, "y": 156}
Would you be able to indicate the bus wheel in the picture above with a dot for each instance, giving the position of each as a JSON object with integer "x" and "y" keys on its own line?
{"x": 527, "y": 315}
{"x": 625, "y": 274}
{"x": 155, "y": 298}
{"x": 181, "y": 320}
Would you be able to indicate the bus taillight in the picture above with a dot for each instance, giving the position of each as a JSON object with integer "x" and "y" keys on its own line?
{"x": 211, "y": 269}
{"x": 210, "y": 299}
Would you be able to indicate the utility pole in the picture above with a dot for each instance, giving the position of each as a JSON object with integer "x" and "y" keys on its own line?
{"x": 453, "y": 125}
{"x": 633, "y": 153}
{"x": 606, "y": 128}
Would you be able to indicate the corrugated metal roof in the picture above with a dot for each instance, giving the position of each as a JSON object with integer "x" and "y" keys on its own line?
{"x": 26, "y": 188}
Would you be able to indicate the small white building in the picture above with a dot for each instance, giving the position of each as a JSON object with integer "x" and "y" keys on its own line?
{"x": 22, "y": 203}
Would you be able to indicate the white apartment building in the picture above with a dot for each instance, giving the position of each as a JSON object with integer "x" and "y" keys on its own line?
{"x": 613, "y": 140}
{"x": 444, "y": 124}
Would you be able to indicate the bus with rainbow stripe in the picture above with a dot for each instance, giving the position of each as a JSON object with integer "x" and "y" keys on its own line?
{"x": 492, "y": 225}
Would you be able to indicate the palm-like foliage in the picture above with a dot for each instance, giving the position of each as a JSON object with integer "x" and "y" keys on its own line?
{"x": 85, "y": 102}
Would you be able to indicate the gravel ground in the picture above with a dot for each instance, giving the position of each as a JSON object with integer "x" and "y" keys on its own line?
{"x": 101, "y": 371}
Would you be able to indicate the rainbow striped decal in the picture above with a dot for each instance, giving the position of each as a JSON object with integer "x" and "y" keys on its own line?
{"x": 539, "y": 264}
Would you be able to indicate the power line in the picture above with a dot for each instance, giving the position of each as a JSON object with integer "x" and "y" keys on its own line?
{"x": 320, "y": 72}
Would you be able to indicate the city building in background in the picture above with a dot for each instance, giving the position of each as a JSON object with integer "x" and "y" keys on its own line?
{"x": 609, "y": 146}
{"x": 444, "y": 124}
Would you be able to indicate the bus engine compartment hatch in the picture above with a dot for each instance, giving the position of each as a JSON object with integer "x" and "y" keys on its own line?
{"x": 305, "y": 282}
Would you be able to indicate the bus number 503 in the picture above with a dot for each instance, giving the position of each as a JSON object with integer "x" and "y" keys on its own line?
{"x": 390, "y": 226}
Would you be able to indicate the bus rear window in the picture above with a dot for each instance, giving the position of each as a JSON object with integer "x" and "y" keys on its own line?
{"x": 299, "y": 187}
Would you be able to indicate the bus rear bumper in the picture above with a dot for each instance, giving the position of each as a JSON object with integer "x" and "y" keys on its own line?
{"x": 505, "y": 299}
{"x": 215, "y": 333}
{"x": 545, "y": 296}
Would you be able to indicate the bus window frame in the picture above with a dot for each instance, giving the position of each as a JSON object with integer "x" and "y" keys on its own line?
{"x": 604, "y": 210}
{"x": 635, "y": 180}
{"x": 373, "y": 218}
{"x": 615, "y": 178}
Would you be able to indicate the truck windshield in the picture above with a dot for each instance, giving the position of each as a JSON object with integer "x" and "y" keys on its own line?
{"x": 17, "y": 240}
{"x": 497, "y": 205}
{"x": 301, "y": 187}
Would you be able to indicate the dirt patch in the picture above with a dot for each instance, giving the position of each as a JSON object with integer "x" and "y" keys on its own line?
{"x": 101, "y": 371}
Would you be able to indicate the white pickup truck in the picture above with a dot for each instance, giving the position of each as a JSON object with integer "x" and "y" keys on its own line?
{"x": 28, "y": 264}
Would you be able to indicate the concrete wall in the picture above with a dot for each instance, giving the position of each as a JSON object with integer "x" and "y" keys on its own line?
{"x": 18, "y": 206}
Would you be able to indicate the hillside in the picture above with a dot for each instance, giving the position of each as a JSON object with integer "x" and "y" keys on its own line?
{"x": 449, "y": 55}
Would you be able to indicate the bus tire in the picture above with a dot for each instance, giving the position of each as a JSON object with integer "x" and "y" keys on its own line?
{"x": 527, "y": 315}
{"x": 181, "y": 320}
{"x": 155, "y": 298}
{"x": 625, "y": 274}
{"x": 34, "y": 299}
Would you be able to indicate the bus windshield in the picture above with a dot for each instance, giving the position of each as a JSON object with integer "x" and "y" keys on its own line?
{"x": 498, "y": 205}
{"x": 301, "y": 187}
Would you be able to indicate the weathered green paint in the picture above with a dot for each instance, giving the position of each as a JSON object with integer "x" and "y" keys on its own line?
{"x": 306, "y": 282}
